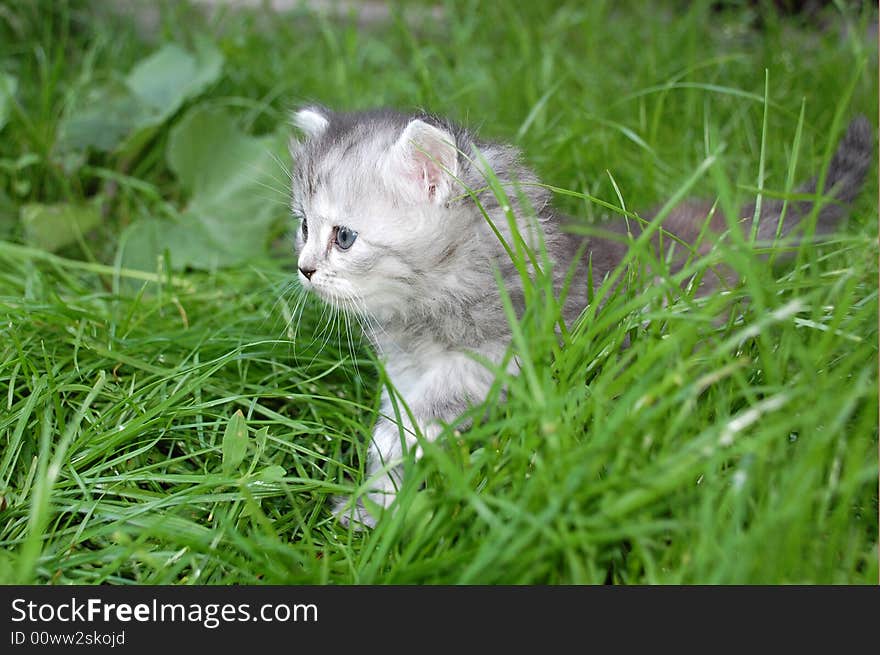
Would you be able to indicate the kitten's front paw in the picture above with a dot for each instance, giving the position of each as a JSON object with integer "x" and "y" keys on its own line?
{"x": 352, "y": 514}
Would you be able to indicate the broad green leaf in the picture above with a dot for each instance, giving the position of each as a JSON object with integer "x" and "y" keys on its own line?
{"x": 235, "y": 442}
{"x": 141, "y": 244}
{"x": 188, "y": 242}
{"x": 236, "y": 193}
{"x": 151, "y": 93}
{"x": 272, "y": 473}
{"x": 167, "y": 78}
{"x": 51, "y": 227}
{"x": 109, "y": 114}
{"x": 213, "y": 158}
{"x": 8, "y": 86}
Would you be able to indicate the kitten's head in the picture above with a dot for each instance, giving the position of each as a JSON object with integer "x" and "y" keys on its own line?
{"x": 378, "y": 204}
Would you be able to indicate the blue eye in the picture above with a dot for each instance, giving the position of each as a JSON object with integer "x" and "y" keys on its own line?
{"x": 345, "y": 237}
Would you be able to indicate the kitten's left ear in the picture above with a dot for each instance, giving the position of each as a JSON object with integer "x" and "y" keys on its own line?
{"x": 427, "y": 158}
{"x": 312, "y": 120}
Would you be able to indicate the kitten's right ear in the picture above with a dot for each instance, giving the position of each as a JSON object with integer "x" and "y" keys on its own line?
{"x": 425, "y": 160}
{"x": 312, "y": 120}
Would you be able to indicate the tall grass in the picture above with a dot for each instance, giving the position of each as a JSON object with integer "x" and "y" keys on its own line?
{"x": 734, "y": 440}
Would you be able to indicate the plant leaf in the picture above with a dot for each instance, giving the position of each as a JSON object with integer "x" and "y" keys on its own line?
{"x": 229, "y": 176}
{"x": 213, "y": 158}
{"x": 51, "y": 227}
{"x": 150, "y": 94}
{"x": 235, "y": 442}
{"x": 171, "y": 75}
{"x": 110, "y": 113}
{"x": 272, "y": 473}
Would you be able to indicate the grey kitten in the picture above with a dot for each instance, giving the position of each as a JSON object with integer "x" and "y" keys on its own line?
{"x": 389, "y": 232}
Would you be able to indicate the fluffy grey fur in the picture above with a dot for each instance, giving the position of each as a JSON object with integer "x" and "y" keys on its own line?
{"x": 420, "y": 272}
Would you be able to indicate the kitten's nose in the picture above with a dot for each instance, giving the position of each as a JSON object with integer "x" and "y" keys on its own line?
{"x": 308, "y": 272}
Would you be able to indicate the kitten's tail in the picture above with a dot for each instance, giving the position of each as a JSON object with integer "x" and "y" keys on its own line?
{"x": 844, "y": 179}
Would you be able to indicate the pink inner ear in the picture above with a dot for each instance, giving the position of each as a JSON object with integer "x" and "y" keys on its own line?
{"x": 432, "y": 175}
{"x": 429, "y": 172}
{"x": 424, "y": 156}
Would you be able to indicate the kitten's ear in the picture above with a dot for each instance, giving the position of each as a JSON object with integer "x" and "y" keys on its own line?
{"x": 312, "y": 120}
{"x": 427, "y": 158}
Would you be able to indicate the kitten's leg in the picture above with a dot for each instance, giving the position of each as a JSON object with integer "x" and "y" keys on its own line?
{"x": 382, "y": 474}
{"x": 384, "y": 464}
{"x": 442, "y": 393}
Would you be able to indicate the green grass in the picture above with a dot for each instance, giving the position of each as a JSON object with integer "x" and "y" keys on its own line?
{"x": 734, "y": 441}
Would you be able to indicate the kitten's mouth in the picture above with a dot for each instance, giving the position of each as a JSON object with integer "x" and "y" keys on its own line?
{"x": 334, "y": 298}
{"x": 340, "y": 294}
